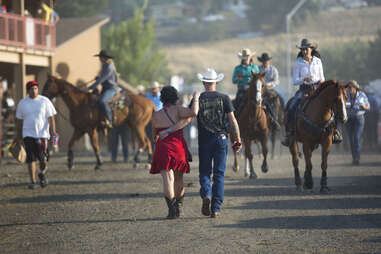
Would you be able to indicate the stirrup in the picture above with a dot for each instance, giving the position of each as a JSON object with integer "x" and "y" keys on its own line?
{"x": 337, "y": 138}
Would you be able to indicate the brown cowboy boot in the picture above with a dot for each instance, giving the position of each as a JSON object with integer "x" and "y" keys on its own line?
{"x": 179, "y": 206}
{"x": 171, "y": 208}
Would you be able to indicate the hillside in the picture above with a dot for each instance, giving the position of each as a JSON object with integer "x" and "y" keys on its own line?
{"x": 328, "y": 29}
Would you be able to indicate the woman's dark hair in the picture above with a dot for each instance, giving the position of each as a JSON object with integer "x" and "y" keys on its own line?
{"x": 169, "y": 95}
{"x": 313, "y": 53}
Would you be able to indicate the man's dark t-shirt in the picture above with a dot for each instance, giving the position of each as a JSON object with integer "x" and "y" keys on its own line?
{"x": 212, "y": 118}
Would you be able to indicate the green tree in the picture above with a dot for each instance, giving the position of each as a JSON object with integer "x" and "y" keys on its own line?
{"x": 83, "y": 8}
{"x": 136, "y": 54}
{"x": 269, "y": 15}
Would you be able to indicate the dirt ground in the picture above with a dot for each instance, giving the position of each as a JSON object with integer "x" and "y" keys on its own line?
{"x": 121, "y": 209}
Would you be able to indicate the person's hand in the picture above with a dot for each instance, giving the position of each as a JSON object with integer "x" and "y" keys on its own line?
{"x": 237, "y": 146}
{"x": 163, "y": 134}
{"x": 239, "y": 77}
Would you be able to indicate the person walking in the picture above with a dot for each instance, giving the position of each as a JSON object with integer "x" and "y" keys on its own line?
{"x": 242, "y": 74}
{"x": 213, "y": 119}
{"x": 108, "y": 80}
{"x": 357, "y": 105}
{"x": 34, "y": 119}
{"x": 170, "y": 158}
{"x": 307, "y": 74}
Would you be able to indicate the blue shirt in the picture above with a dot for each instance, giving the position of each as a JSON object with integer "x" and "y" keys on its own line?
{"x": 155, "y": 100}
{"x": 107, "y": 77}
{"x": 245, "y": 72}
{"x": 354, "y": 105}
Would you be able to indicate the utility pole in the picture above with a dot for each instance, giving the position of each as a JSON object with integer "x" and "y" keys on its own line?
{"x": 288, "y": 21}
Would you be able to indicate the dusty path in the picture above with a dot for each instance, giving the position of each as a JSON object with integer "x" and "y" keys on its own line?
{"x": 121, "y": 210}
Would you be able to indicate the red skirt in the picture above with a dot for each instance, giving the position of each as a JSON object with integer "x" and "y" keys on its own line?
{"x": 170, "y": 153}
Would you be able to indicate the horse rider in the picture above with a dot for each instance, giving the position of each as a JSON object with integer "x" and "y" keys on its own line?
{"x": 271, "y": 81}
{"x": 242, "y": 74}
{"x": 108, "y": 80}
{"x": 307, "y": 74}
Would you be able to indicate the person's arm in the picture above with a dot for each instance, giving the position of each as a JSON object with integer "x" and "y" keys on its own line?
{"x": 235, "y": 129}
{"x": 19, "y": 124}
{"x": 275, "y": 79}
{"x": 296, "y": 76}
{"x": 365, "y": 105}
{"x": 177, "y": 126}
{"x": 192, "y": 111}
{"x": 236, "y": 76}
{"x": 321, "y": 72}
{"x": 105, "y": 74}
{"x": 52, "y": 124}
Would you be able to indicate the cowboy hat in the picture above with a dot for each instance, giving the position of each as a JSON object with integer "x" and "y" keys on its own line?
{"x": 210, "y": 76}
{"x": 245, "y": 53}
{"x": 264, "y": 57}
{"x": 104, "y": 54}
{"x": 354, "y": 84}
{"x": 305, "y": 43}
{"x": 155, "y": 84}
{"x": 140, "y": 88}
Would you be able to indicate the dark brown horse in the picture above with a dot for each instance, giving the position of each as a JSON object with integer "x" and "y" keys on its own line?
{"x": 252, "y": 123}
{"x": 314, "y": 126}
{"x": 276, "y": 120}
{"x": 85, "y": 115}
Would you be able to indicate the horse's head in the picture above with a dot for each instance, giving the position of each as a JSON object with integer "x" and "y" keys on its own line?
{"x": 339, "y": 107}
{"x": 51, "y": 88}
{"x": 255, "y": 87}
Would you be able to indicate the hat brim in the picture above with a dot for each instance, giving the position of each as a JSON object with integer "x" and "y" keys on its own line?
{"x": 218, "y": 79}
{"x": 105, "y": 56}
{"x": 264, "y": 59}
{"x": 240, "y": 56}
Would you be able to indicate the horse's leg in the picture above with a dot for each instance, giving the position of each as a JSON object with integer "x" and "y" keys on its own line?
{"x": 149, "y": 147}
{"x": 273, "y": 135}
{"x": 140, "y": 131}
{"x": 77, "y": 134}
{"x": 94, "y": 143}
{"x": 264, "y": 167}
{"x": 308, "y": 182}
{"x": 249, "y": 158}
{"x": 326, "y": 148}
{"x": 295, "y": 162}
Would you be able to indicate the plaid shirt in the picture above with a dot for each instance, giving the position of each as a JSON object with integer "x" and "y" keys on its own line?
{"x": 354, "y": 105}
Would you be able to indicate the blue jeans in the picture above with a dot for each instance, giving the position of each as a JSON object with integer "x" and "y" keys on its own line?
{"x": 291, "y": 111}
{"x": 212, "y": 151}
{"x": 355, "y": 127}
{"x": 105, "y": 97}
{"x": 121, "y": 131}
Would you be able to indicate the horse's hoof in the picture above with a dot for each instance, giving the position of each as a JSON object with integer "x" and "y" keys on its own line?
{"x": 265, "y": 169}
{"x": 97, "y": 167}
{"x": 246, "y": 174}
{"x": 253, "y": 175}
{"x": 134, "y": 165}
{"x": 235, "y": 169}
{"x": 299, "y": 188}
{"x": 147, "y": 166}
{"x": 324, "y": 190}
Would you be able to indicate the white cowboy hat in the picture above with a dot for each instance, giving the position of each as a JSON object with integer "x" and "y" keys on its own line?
{"x": 155, "y": 84}
{"x": 245, "y": 53}
{"x": 210, "y": 76}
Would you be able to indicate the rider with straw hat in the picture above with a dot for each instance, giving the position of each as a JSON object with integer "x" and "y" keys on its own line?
{"x": 242, "y": 73}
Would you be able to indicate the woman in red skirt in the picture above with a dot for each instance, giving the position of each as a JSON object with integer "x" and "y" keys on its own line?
{"x": 170, "y": 158}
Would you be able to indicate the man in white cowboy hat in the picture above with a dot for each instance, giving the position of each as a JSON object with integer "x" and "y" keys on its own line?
{"x": 215, "y": 111}
{"x": 154, "y": 95}
{"x": 242, "y": 73}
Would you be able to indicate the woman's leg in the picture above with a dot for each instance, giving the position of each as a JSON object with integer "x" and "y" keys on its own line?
{"x": 179, "y": 193}
{"x": 169, "y": 192}
{"x": 168, "y": 183}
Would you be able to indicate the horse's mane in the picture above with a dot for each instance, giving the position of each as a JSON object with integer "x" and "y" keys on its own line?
{"x": 322, "y": 87}
{"x": 67, "y": 83}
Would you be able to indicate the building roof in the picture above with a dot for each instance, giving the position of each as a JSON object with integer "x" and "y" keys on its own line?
{"x": 67, "y": 28}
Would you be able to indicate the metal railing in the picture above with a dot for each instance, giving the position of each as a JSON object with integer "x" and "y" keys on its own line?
{"x": 26, "y": 32}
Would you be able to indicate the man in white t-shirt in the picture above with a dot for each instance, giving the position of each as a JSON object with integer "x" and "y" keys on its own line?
{"x": 34, "y": 118}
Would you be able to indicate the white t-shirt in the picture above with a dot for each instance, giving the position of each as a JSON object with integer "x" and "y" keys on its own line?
{"x": 35, "y": 113}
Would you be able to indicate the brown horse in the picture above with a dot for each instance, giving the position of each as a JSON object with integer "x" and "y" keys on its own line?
{"x": 252, "y": 123}
{"x": 85, "y": 115}
{"x": 315, "y": 126}
{"x": 275, "y": 121}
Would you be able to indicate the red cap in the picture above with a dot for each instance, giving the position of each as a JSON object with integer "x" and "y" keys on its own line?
{"x": 30, "y": 84}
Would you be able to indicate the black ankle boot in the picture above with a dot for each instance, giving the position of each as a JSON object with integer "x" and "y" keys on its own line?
{"x": 171, "y": 208}
{"x": 179, "y": 207}
{"x": 337, "y": 137}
